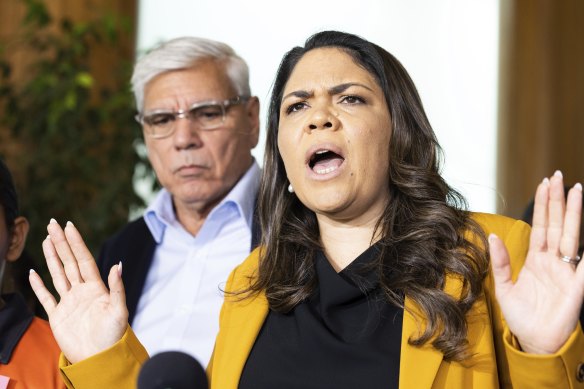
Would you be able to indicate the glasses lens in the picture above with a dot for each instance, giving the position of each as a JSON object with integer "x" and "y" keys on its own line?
{"x": 159, "y": 124}
{"x": 208, "y": 116}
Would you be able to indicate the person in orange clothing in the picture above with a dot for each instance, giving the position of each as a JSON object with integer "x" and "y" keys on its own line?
{"x": 29, "y": 354}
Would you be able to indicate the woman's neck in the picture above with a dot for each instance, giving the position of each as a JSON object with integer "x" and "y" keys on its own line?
{"x": 345, "y": 241}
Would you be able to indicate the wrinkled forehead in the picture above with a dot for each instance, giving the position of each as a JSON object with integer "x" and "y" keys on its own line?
{"x": 325, "y": 67}
{"x": 205, "y": 81}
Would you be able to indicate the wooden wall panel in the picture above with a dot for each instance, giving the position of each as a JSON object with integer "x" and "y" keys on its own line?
{"x": 103, "y": 60}
{"x": 541, "y": 105}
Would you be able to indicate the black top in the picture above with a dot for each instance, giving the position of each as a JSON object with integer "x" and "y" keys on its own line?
{"x": 15, "y": 318}
{"x": 344, "y": 336}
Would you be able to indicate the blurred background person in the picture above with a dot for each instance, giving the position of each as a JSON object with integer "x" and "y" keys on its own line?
{"x": 28, "y": 352}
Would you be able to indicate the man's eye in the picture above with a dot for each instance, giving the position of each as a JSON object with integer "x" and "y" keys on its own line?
{"x": 158, "y": 119}
{"x": 211, "y": 112}
{"x": 295, "y": 107}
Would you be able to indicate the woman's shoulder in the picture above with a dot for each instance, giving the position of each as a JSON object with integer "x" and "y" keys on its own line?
{"x": 242, "y": 274}
{"x": 515, "y": 234}
{"x": 502, "y": 226}
{"x": 250, "y": 264}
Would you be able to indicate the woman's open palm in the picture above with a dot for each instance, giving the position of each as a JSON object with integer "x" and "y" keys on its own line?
{"x": 542, "y": 306}
{"x": 87, "y": 318}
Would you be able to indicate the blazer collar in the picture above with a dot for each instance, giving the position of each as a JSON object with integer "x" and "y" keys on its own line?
{"x": 245, "y": 319}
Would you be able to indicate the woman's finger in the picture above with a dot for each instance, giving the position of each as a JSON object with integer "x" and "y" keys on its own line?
{"x": 42, "y": 293}
{"x": 501, "y": 266}
{"x": 64, "y": 252}
{"x": 580, "y": 278}
{"x": 556, "y": 212}
{"x": 85, "y": 261}
{"x": 538, "y": 237}
{"x": 571, "y": 234}
{"x": 55, "y": 266}
{"x": 117, "y": 292}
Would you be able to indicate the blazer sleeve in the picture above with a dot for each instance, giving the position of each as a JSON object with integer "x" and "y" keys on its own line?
{"x": 116, "y": 367}
{"x": 516, "y": 368}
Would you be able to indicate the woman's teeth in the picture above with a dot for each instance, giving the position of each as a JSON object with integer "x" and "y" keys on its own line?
{"x": 326, "y": 170}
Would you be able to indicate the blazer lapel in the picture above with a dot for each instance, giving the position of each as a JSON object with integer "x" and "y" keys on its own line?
{"x": 242, "y": 321}
{"x": 418, "y": 365}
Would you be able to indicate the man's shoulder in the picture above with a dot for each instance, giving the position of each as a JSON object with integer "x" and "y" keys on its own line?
{"x": 133, "y": 229}
{"x": 129, "y": 241}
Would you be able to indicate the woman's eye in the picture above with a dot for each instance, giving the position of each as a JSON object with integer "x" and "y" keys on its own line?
{"x": 352, "y": 99}
{"x": 295, "y": 107}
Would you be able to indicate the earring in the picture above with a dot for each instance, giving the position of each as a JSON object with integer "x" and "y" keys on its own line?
{"x": 290, "y": 188}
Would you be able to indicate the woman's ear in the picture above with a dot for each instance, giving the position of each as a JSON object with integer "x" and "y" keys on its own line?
{"x": 18, "y": 235}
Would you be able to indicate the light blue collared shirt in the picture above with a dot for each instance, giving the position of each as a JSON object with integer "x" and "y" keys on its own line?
{"x": 180, "y": 303}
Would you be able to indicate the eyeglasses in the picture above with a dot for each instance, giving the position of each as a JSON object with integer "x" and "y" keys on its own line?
{"x": 206, "y": 115}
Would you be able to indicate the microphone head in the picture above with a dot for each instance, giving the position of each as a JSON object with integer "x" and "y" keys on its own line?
{"x": 172, "y": 370}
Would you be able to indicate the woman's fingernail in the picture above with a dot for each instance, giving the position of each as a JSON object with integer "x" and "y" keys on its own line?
{"x": 492, "y": 238}
{"x": 53, "y": 221}
{"x": 578, "y": 186}
{"x": 31, "y": 271}
{"x": 546, "y": 181}
{"x": 558, "y": 173}
{"x": 69, "y": 224}
{"x": 120, "y": 269}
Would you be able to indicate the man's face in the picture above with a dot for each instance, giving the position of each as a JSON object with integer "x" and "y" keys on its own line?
{"x": 199, "y": 167}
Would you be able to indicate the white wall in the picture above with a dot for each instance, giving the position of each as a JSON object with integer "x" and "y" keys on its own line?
{"x": 449, "y": 47}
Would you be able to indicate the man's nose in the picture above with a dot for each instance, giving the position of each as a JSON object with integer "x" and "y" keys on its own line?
{"x": 186, "y": 135}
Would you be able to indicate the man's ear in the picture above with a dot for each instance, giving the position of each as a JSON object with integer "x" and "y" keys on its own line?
{"x": 17, "y": 238}
{"x": 253, "y": 113}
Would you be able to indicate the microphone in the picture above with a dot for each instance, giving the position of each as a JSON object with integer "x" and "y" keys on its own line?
{"x": 172, "y": 370}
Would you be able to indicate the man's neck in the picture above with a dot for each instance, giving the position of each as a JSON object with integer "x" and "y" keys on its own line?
{"x": 192, "y": 217}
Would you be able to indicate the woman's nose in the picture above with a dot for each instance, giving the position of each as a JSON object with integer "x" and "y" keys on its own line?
{"x": 323, "y": 119}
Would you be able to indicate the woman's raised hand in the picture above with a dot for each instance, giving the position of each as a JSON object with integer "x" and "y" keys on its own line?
{"x": 87, "y": 318}
{"x": 542, "y": 306}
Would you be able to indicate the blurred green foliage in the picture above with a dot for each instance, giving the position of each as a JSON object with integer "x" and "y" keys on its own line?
{"x": 78, "y": 138}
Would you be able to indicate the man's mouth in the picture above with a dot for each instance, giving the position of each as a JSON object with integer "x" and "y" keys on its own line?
{"x": 325, "y": 161}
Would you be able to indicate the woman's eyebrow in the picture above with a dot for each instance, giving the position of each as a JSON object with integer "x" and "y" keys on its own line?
{"x": 301, "y": 94}
{"x": 334, "y": 90}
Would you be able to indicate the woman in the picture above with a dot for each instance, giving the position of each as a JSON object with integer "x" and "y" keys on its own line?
{"x": 370, "y": 273}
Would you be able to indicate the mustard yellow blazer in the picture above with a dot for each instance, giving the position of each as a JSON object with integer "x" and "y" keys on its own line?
{"x": 496, "y": 362}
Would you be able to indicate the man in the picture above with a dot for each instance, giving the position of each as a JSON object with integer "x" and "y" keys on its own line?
{"x": 200, "y": 123}
{"x": 28, "y": 352}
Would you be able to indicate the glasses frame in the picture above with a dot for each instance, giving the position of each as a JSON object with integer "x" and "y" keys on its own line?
{"x": 184, "y": 114}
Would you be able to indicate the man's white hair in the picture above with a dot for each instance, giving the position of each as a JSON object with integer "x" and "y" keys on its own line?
{"x": 183, "y": 53}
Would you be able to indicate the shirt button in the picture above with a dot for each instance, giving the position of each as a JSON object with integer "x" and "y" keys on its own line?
{"x": 580, "y": 372}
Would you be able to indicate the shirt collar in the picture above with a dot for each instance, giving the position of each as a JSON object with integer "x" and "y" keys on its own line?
{"x": 160, "y": 213}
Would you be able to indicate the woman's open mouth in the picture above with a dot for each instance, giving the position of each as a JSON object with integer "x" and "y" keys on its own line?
{"x": 325, "y": 161}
